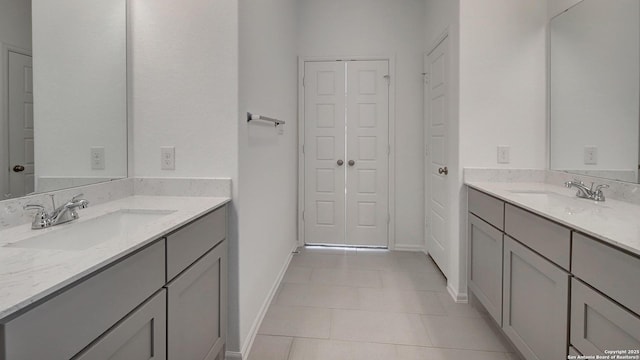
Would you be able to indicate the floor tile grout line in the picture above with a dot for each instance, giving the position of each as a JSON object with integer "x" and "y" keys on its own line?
{"x": 293, "y": 339}
{"x": 396, "y": 344}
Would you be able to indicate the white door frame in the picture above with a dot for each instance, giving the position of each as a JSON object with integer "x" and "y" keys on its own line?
{"x": 4, "y": 116}
{"x": 392, "y": 126}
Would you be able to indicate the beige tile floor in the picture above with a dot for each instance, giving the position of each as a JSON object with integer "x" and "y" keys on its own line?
{"x": 338, "y": 304}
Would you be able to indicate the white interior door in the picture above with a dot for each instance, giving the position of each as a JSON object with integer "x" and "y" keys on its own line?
{"x": 346, "y": 150}
{"x": 324, "y": 150}
{"x": 436, "y": 67}
{"x": 21, "y": 153}
{"x": 367, "y": 153}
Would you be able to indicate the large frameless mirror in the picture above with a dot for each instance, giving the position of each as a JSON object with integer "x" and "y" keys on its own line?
{"x": 64, "y": 94}
{"x": 595, "y": 89}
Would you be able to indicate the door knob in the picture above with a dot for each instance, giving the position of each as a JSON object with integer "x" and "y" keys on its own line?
{"x": 351, "y": 162}
{"x": 340, "y": 162}
{"x": 18, "y": 168}
{"x": 443, "y": 170}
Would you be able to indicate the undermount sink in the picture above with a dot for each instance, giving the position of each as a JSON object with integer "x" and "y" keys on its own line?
{"x": 539, "y": 194}
{"x": 83, "y": 235}
{"x": 530, "y": 192}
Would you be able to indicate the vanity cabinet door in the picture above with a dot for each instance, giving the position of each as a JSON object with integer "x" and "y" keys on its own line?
{"x": 140, "y": 336}
{"x": 535, "y": 303}
{"x": 485, "y": 265}
{"x": 196, "y": 309}
{"x": 599, "y": 324}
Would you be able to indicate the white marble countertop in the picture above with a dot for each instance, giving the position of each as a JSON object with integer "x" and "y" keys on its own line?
{"x": 28, "y": 275}
{"x": 612, "y": 221}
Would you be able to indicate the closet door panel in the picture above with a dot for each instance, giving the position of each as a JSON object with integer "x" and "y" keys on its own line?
{"x": 324, "y": 150}
{"x": 367, "y": 153}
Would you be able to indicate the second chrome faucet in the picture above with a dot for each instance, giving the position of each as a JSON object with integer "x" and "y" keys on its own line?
{"x": 585, "y": 192}
{"x": 59, "y": 215}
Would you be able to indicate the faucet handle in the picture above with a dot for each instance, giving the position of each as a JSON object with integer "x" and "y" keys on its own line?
{"x": 41, "y": 219}
{"x": 600, "y": 187}
{"x": 573, "y": 182}
{"x": 598, "y": 195}
{"x": 76, "y": 197}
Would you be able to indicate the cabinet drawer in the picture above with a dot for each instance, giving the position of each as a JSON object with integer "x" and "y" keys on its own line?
{"x": 607, "y": 269}
{"x": 487, "y": 208}
{"x": 68, "y": 322}
{"x": 535, "y": 303}
{"x": 196, "y": 308}
{"x": 192, "y": 241}
{"x": 599, "y": 324}
{"x": 485, "y": 265}
{"x": 549, "y": 239}
{"x": 142, "y": 335}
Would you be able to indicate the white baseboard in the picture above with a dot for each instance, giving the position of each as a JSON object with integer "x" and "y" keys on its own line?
{"x": 458, "y": 297}
{"x": 246, "y": 347}
{"x": 401, "y": 247}
{"x": 233, "y": 355}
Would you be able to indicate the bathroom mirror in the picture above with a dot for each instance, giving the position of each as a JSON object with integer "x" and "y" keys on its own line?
{"x": 64, "y": 94}
{"x": 594, "y": 89}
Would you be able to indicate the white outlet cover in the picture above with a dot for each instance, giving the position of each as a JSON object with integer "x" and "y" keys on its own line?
{"x": 590, "y": 155}
{"x": 503, "y": 154}
{"x": 168, "y": 158}
{"x": 97, "y": 158}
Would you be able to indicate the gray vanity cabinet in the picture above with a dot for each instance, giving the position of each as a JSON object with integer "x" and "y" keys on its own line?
{"x": 485, "y": 265}
{"x": 164, "y": 301}
{"x": 535, "y": 303}
{"x": 196, "y": 291}
{"x": 563, "y": 292}
{"x": 196, "y": 308}
{"x": 599, "y": 324}
{"x": 140, "y": 336}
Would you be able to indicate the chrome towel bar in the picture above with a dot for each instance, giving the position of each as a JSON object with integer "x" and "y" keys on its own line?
{"x": 251, "y": 117}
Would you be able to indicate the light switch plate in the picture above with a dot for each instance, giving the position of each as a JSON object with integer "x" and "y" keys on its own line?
{"x": 168, "y": 158}
{"x": 97, "y": 158}
{"x": 590, "y": 155}
{"x": 503, "y": 154}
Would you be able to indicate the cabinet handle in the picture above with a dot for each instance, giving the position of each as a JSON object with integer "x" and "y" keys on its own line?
{"x": 340, "y": 162}
{"x": 351, "y": 162}
{"x": 18, "y": 168}
{"x": 443, "y": 170}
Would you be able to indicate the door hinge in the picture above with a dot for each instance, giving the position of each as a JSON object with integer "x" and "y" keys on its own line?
{"x": 426, "y": 150}
{"x": 388, "y": 78}
{"x": 304, "y": 79}
{"x": 302, "y": 215}
{"x": 303, "y": 148}
{"x": 388, "y": 218}
{"x": 388, "y": 149}
{"x": 426, "y": 77}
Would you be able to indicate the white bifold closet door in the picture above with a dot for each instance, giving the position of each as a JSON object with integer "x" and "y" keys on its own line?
{"x": 346, "y": 153}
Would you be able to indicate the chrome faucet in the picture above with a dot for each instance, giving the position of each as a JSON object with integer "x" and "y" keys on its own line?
{"x": 59, "y": 215}
{"x": 585, "y": 192}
